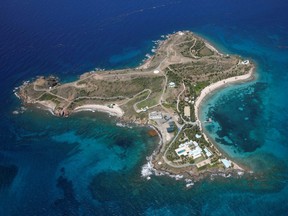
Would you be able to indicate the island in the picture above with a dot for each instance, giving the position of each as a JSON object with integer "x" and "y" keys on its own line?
{"x": 165, "y": 93}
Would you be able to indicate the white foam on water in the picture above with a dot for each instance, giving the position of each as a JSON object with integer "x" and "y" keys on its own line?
{"x": 147, "y": 170}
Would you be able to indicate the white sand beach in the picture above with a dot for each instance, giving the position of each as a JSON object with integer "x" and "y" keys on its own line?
{"x": 115, "y": 111}
{"x": 212, "y": 48}
{"x": 209, "y": 89}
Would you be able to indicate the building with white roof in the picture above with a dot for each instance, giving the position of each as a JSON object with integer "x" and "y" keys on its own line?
{"x": 207, "y": 152}
{"x": 189, "y": 148}
{"x": 227, "y": 163}
{"x": 245, "y": 62}
{"x": 155, "y": 115}
{"x": 196, "y": 152}
{"x": 172, "y": 85}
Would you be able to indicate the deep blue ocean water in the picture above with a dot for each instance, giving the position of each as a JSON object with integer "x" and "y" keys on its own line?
{"x": 85, "y": 164}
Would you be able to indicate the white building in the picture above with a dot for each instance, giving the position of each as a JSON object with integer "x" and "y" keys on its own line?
{"x": 227, "y": 163}
{"x": 207, "y": 152}
{"x": 245, "y": 62}
{"x": 196, "y": 153}
{"x": 155, "y": 115}
{"x": 189, "y": 148}
{"x": 172, "y": 85}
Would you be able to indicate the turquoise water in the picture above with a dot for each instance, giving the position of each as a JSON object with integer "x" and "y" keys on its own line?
{"x": 85, "y": 164}
{"x": 181, "y": 151}
{"x": 245, "y": 115}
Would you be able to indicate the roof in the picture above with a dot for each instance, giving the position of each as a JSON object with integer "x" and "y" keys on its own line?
{"x": 195, "y": 153}
{"x": 227, "y": 163}
{"x": 208, "y": 153}
{"x": 155, "y": 115}
{"x": 172, "y": 84}
{"x": 170, "y": 129}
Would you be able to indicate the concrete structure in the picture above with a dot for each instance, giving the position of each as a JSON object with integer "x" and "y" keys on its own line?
{"x": 172, "y": 85}
{"x": 245, "y": 62}
{"x": 155, "y": 115}
{"x": 227, "y": 163}
{"x": 182, "y": 151}
{"x": 187, "y": 111}
{"x": 207, "y": 152}
{"x": 171, "y": 127}
{"x": 196, "y": 152}
{"x": 189, "y": 148}
{"x": 186, "y": 143}
{"x": 167, "y": 117}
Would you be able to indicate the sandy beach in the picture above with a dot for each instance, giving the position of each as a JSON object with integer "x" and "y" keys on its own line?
{"x": 209, "y": 89}
{"x": 212, "y": 48}
{"x": 115, "y": 111}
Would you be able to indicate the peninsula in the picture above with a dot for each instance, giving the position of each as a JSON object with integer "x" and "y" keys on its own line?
{"x": 165, "y": 92}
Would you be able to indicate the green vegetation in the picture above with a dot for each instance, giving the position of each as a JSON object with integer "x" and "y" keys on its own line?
{"x": 173, "y": 76}
{"x": 147, "y": 103}
{"x": 197, "y": 88}
{"x": 152, "y": 100}
{"x": 205, "y": 52}
{"x": 185, "y": 48}
{"x": 47, "y": 97}
{"x": 193, "y": 46}
{"x": 183, "y": 58}
{"x": 187, "y": 133}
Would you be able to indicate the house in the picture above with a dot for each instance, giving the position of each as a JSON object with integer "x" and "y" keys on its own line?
{"x": 189, "y": 148}
{"x": 227, "y": 163}
{"x": 172, "y": 85}
{"x": 196, "y": 152}
{"x": 207, "y": 152}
